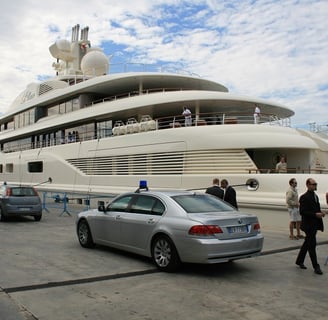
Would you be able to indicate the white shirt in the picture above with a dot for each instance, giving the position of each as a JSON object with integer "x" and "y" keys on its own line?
{"x": 187, "y": 113}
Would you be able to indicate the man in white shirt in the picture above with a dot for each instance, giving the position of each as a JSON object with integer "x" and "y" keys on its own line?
{"x": 257, "y": 113}
{"x": 281, "y": 166}
{"x": 187, "y": 114}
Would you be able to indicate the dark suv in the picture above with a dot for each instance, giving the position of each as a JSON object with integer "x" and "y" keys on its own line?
{"x": 19, "y": 201}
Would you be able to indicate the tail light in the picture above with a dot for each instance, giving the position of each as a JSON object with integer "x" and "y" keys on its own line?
{"x": 8, "y": 192}
{"x": 204, "y": 230}
{"x": 35, "y": 192}
{"x": 256, "y": 226}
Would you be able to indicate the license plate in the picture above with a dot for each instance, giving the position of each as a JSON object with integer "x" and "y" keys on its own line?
{"x": 237, "y": 229}
{"x": 24, "y": 209}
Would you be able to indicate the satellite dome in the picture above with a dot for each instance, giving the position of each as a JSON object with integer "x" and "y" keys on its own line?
{"x": 61, "y": 49}
{"x": 95, "y": 63}
{"x": 63, "y": 45}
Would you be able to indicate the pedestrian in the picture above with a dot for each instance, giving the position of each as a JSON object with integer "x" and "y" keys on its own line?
{"x": 187, "y": 114}
{"x": 215, "y": 189}
{"x": 312, "y": 215}
{"x": 281, "y": 166}
{"x": 229, "y": 193}
{"x": 257, "y": 114}
{"x": 293, "y": 210}
{"x": 69, "y": 137}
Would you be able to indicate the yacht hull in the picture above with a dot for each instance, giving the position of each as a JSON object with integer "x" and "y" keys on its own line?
{"x": 178, "y": 158}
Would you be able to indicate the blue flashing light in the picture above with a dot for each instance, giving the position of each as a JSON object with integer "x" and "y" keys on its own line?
{"x": 143, "y": 184}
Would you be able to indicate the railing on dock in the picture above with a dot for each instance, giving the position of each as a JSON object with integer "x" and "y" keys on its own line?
{"x": 72, "y": 203}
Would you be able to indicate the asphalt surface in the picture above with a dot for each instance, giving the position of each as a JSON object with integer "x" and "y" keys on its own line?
{"x": 46, "y": 274}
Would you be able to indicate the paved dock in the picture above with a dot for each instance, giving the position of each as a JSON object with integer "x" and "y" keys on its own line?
{"x": 46, "y": 274}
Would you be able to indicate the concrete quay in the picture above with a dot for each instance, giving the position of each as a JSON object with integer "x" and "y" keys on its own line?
{"x": 47, "y": 275}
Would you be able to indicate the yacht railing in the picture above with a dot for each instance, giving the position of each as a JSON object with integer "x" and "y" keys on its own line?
{"x": 146, "y": 123}
{"x": 290, "y": 170}
{"x": 130, "y": 94}
{"x": 130, "y": 67}
{"x": 319, "y": 128}
{"x": 215, "y": 118}
{"x": 144, "y": 67}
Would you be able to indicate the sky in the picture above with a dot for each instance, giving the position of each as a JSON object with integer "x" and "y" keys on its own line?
{"x": 271, "y": 49}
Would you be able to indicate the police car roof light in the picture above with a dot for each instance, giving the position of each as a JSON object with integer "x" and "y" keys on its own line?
{"x": 142, "y": 185}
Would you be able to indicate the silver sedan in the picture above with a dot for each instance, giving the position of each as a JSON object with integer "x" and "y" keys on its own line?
{"x": 172, "y": 227}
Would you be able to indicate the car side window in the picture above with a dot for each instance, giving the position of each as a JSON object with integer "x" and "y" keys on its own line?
{"x": 147, "y": 205}
{"x": 120, "y": 204}
{"x": 158, "y": 208}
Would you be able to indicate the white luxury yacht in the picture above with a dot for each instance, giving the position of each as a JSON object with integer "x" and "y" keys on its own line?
{"x": 95, "y": 132}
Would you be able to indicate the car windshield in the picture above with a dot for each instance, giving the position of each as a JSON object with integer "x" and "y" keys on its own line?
{"x": 201, "y": 203}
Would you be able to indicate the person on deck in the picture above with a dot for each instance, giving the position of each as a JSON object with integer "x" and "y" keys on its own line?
{"x": 257, "y": 114}
{"x": 281, "y": 166}
{"x": 187, "y": 114}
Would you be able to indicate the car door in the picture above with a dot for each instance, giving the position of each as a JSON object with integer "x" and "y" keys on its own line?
{"x": 107, "y": 224}
{"x": 138, "y": 223}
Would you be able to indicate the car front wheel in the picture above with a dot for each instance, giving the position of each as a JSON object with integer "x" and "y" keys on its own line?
{"x": 164, "y": 253}
{"x": 84, "y": 234}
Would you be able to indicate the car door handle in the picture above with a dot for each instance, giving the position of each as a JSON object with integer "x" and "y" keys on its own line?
{"x": 118, "y": 217}
{"x": 151, "y": 221}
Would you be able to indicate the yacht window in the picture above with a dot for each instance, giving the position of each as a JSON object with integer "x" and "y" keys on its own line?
{"x": 9, "y": 167}
{"x": 35, "y": 166}
{"x": 10, "y": 125}
{"x": 104, "y": 129}
{"x": 53, "y": 110}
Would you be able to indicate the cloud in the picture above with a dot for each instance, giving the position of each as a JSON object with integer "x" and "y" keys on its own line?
{"x": 275, "y": 50}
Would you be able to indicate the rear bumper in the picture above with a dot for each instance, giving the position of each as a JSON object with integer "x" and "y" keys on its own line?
{"x": 208, "y": 251}
{"x": 9, "y": 210}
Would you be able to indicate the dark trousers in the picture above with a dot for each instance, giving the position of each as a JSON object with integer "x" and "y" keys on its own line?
{"x": 309, "y": 245}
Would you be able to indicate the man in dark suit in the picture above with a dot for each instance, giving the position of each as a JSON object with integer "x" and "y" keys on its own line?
{"x": 215, "y": 190}
{"x": 229, "y": 193}
{"x": 312, "y": 215}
